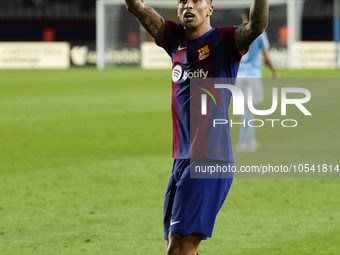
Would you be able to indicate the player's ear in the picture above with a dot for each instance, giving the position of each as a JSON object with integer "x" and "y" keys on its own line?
{"x": 210, "y": 10}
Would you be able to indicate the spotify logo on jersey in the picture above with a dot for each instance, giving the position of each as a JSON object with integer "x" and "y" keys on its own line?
{"x": 176, "y": 73}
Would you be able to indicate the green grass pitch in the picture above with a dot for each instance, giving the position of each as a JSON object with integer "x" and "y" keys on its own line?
{"x": 85, "y": 158}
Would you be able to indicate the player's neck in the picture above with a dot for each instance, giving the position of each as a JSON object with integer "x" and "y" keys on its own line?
{"x": 194, "y": 33}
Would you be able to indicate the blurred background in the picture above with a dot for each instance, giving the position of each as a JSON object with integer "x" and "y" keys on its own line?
{"x": 85, "y": 155}
{"x": 121, "y": 37}
{"x": 48, "y": 20}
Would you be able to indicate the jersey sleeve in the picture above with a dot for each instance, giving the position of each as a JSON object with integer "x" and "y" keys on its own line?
{"x": 227, "y": 35}
{"x": 170, "y": 30}
{"x": 264, "y": 43}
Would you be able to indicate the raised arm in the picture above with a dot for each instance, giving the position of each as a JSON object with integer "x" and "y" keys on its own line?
{"x": 246, "y": 33}
{"x": 148, "y": 17}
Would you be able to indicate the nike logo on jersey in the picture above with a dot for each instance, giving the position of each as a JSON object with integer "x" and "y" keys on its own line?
{"x": 181, "y": 48}
{"x": 174, "y": 222}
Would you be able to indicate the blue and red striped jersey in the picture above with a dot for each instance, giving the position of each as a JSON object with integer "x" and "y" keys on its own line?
{"x": 213, "y": 55}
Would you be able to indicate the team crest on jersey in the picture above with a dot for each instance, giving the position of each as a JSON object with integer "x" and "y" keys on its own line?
{"x": 203, "y": 53}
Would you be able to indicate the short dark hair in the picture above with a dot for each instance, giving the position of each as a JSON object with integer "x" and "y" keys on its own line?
{"x": 180, "y": 1}
{"x": 246, "y": 12}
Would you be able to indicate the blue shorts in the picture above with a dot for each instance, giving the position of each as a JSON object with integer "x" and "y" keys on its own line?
{"x": 191, "y": 204}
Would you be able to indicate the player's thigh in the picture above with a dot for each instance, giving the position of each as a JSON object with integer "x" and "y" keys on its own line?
{"x": 243, "y": 83}
{"x": 177, "y": 170}
{"x": 257, "y": 90}
{"x": 197, "y": 202}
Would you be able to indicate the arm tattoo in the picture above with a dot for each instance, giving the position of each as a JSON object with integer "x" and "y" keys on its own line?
{"x": 243, "y": 37}
{"x": 149, "y": 19}
{"x": 259, "y": 15}
{"x": 246, "y": 33}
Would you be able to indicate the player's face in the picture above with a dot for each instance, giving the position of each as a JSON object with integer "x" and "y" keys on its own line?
{"x": 194, "y": 13}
